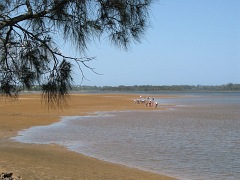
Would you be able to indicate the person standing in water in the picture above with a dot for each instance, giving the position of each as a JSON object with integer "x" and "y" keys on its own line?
{"x": 156, "y": 104}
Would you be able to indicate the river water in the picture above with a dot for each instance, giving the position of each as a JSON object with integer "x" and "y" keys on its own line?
{"x": 198, "y": 137}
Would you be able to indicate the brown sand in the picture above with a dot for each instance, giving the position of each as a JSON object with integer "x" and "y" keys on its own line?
{"x": 51, "y": 161}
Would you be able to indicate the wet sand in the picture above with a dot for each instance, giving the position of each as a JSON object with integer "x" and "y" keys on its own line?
{"x": 31, "y": 161}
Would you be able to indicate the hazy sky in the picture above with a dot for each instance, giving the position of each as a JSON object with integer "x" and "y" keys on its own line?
{"x": 194, "y": 42}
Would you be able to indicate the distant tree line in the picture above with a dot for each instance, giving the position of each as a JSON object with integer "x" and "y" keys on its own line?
{"x": 150, "y": 88}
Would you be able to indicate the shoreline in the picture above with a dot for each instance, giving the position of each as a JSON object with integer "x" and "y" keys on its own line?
{"x": 31, "y": 161}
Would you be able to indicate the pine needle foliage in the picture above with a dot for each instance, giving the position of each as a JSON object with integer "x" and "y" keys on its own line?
{"x": 28, "y": 54}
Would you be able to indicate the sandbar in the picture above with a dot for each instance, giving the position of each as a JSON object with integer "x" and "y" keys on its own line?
{"x": 32, "y": 161}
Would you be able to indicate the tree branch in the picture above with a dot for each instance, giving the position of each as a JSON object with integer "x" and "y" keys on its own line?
{"x": 29, "y": 15}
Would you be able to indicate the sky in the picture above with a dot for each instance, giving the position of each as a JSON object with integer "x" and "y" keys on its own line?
{"x": 189, "y": 42}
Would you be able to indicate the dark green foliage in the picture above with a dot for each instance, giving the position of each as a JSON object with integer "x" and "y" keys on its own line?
{"x": 28, "y": 54}
{"x": 148, "y": 88}
{"x": 58, "y": 85}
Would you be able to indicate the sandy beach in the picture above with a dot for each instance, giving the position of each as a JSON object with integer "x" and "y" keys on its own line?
{"x": 31, "y": 161}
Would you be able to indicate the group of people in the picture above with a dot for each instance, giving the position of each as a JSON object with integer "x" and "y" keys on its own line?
{"x": 149, "y": 102}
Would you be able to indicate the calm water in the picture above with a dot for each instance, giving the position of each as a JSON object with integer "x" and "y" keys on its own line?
{"x": 197, "y": 138}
